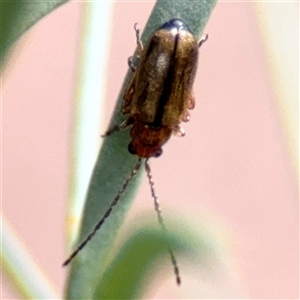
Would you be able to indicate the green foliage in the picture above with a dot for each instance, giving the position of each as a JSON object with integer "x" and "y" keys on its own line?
{"x": 19, "y": 15}
{"x": 144, "y": 254}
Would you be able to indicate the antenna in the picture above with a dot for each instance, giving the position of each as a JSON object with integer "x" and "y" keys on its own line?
{"x": 107, "y": 213}
{"x": 161, "y": 221}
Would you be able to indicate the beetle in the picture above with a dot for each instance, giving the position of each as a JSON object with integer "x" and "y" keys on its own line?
{"x": 157, "y": 99}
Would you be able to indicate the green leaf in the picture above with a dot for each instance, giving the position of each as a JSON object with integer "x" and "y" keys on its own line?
{"x": 113, "y": 166}
{"x": 140, "y": 257}
{"x": 17, "y": 264}
{"x": 19, "y": 15}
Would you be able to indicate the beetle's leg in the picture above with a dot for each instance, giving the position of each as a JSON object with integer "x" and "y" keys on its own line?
{"x": 185, "y": 117}
{"x": 128, "y": 94}
{"x": 131, "y": 65}
{"x": 138, "y": 40}
{"x": 178, "y": 131}
{"x": 126, "y": 107}
{"x": 202, "y": 40}
{"x": 139, "y": 48}
{"x": 191, "y": 101}
{"x": 117, "y": 128}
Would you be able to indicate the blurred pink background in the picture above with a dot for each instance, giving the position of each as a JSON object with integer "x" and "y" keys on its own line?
{"x": 232, "y": 165}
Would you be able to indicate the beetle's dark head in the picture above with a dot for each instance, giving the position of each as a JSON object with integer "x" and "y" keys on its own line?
{"x": 147, "y": 141}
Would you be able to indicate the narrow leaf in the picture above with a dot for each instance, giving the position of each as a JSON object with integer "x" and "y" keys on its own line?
{"x": 129, "y": 273}
{"x": 17, "y": 16}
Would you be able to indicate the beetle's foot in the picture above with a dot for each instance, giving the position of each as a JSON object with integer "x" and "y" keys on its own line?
{"x": 130, "y": 64}
{"x": 138, "y": 39}
{"x": 185, "y": 117}
{"x": 178, "y": 131}
{"x": 202, "y": 40}
{"x": 117, "y": 128}
{"x": 111, "y": 131}
{"x": 191, "y": 102}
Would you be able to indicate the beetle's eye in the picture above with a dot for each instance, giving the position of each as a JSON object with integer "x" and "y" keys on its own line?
{"x": 131, "y": 149}
{"x": 158, "y": 153}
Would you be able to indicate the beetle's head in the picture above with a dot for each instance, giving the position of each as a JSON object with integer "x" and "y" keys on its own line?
{"x": 147, "y": 141}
